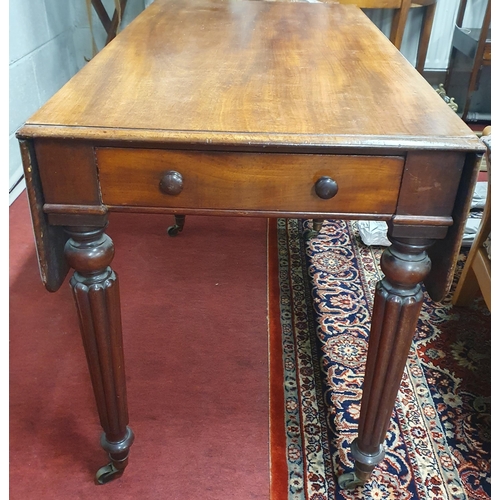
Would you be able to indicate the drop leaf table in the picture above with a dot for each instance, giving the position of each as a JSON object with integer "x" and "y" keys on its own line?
{"x": 245, "y": 108}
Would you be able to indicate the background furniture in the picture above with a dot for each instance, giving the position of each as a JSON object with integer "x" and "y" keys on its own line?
{"x": 429, "y": 7}
{"x": 470, "y": 53}
{"x": 112, "y": 25}
{"x": 401, "y": 9}
{"x": 476, "y": 275}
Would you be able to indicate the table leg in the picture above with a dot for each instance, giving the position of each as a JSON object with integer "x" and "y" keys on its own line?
{"x": 95, "y": 287}
{"x": 398, "y": 300}
{"x": 425, "y": 36}
{"x": 178, "y": 226}
{"x": 317, "y": 225}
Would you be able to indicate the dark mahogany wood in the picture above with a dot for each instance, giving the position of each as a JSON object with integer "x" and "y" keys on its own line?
{"x": 398, "y": 299}
{"x": 49, "y": 239}
{"x": 248, "y": 181}
{"x": 250, "y": 109}
{"x": 61, "y": 184}
{"x": 445, "y": 251}
{"x": 325, "y": 187}
{"x": 95, "y": 287}
{"x": 171, "y": 183}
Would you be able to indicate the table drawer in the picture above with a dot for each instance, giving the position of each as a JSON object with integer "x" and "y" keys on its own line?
{"x": 248, "y": 181}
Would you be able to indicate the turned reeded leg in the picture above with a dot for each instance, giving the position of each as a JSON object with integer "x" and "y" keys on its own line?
{"x": 95, "y": 287}
{"x": 398, "y": 299}
{"x": 178, "y": 226}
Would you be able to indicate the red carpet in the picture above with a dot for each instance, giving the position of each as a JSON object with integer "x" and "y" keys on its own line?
{"x": 196, "y": 352}
{"x": 278, "y": 444}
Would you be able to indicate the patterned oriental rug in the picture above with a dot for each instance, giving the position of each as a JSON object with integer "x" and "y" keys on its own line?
{"x": 438, "y": 443}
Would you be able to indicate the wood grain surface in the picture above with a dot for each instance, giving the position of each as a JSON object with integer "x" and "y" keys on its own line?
{"x": 243, "y": 72}
{"x": 245, "y": 181}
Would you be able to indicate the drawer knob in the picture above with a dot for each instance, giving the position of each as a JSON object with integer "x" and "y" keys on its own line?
{"x": 171, "y": 183}
{"x": 326, "y": 187}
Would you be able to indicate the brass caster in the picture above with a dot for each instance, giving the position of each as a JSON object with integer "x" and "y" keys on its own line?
{"x": 174, "y": 230}
{"x": 349, "y": 481}
{"x": 107, "y": 473}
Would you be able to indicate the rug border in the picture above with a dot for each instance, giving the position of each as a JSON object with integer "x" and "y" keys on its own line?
{"x": 277, "y": 438}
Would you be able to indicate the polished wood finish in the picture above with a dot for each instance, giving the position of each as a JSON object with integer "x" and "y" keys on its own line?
{"x": 401, "y": 11}
{"x": 400, "y": 7}
{"x": 254, "y": 56}
{"x": 325, "y": 187}
{"x": 49, "y": 239}
{"x": 241, "y": 108}
{"x": 171, "y": 183}
{"x": 61, "y": 185}
{"x": 373, "y": 4}
{"x": 476, "y": 275}
{"x": 398, "y": 300}
{"x": 429, "y": 175}
{"x": 221, "y": 180}
{"x": 95, "y": 287}
{"x": 444, "y": 252}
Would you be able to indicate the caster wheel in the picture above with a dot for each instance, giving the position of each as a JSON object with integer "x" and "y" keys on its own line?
{"x": 349, "y": 480}
{"x": 311, "y": 234}
{"x": 174, "y": 230}
{"x": 107, "y": 473}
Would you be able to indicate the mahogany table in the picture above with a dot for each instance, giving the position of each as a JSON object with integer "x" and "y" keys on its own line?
{"x": 249, "y": 109}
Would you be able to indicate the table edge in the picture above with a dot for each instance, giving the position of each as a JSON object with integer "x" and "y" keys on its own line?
{"x": 205, "y": 139}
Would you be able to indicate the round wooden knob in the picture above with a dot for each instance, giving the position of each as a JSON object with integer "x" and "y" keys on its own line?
{"x": 326, "y": 187}
{"x": 171, "y": 183}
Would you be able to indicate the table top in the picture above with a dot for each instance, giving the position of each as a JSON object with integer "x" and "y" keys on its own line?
{"x": 255, "y": 73}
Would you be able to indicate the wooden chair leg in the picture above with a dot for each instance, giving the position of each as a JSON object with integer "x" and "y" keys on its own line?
{"x": 399, "y": 23}
{"x": 467, "y": 288}
{"x": 115, "y": 22}
{"x": 110, "y": 25}
{"x": 425, "y": 35}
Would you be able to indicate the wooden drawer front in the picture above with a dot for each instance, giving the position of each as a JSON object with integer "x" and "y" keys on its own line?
{"x": 249, "y": 181}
